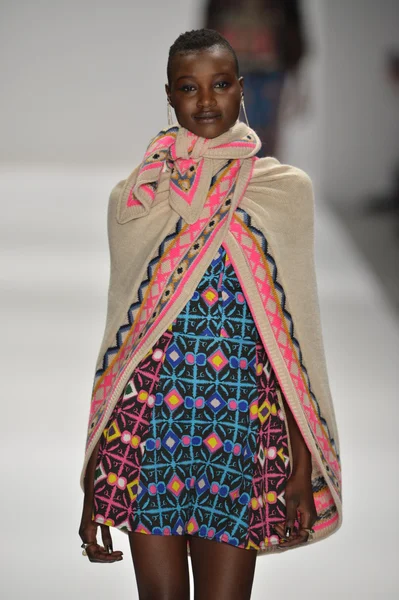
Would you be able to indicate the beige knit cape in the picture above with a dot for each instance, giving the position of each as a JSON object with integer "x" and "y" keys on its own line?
{"x": 267, "y": 229}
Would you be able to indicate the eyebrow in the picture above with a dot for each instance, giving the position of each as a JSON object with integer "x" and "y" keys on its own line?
{"x": 193, "y": 76}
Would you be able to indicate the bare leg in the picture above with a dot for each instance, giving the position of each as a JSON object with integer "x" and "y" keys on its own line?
{"x": 161, "y": 566}
{"x": 221, "y": 571}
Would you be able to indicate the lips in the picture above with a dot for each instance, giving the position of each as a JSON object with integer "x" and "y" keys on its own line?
{"x": 207, "y": 117}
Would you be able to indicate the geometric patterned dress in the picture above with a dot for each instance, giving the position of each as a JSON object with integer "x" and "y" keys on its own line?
{"x": 197, "y": 443}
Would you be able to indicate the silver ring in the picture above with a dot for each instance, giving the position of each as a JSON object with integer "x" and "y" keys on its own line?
{"x": 310, "y": 532}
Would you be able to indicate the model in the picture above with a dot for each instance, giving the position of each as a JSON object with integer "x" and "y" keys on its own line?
{"x": 212, "y": 431}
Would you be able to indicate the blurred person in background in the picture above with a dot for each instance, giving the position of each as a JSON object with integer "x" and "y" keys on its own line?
{"x": 268, "y": 38}
{"x": 390, "y": 201}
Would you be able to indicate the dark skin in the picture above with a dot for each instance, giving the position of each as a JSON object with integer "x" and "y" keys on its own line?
{"x": 88, "y": 528}
{"x": 298, "y": 490}
{"x": 205, "y": 91}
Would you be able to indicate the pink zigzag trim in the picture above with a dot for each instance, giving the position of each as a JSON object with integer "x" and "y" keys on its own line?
{"x": 282, "y": 337}
{"x": 162, "y": 142}
{"x": 167, "y": 265}
{"x": 122, "y": 371}
{"x": 176, "y": 253}
{"x": 324, "y": 500}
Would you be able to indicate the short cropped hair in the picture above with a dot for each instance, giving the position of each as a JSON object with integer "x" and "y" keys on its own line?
{"x": 197, "y": 40}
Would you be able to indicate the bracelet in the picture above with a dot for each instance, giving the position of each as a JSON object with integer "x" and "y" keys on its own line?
{"x": 86, "y": 545}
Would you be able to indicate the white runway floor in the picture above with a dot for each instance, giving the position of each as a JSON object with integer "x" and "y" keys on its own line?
{"x": 54, "y": 277}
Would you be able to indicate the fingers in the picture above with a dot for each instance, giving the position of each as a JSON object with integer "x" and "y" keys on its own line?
{"x": 106, "y": 538}
{"x": 97, "y": 553}
{"x": 301, "y": 536}
{"x": 301, "y": 512}
{"x": 289, "y": 536}
{"x": 296, "y": 537}
{"x": 307, "y": 519}
{"x": 291, "y": 515}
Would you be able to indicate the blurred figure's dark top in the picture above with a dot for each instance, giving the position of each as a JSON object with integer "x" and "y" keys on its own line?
{"x": 266, "y": 34}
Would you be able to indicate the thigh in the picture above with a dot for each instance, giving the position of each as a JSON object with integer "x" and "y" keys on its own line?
{"x": 161, "y": 566}
{"x": 221, "y": 571}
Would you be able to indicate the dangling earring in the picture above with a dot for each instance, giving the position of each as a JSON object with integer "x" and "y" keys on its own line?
{"x": 243, "y": 109}
{"x": 170, "y": 118}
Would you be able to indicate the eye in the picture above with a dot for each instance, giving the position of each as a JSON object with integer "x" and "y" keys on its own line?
{"x": 187, "y": 88}
{"x": 222, "y": 84}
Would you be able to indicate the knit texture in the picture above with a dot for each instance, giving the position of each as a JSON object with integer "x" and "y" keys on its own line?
{"x": 262, "y": 213}
{"x": 193, "y": 162}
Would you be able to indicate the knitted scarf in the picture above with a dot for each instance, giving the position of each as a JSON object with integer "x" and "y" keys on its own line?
{"x": 193, "y": 162}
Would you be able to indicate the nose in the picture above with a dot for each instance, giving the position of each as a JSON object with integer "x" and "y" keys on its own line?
{"x": 206, "y": 99}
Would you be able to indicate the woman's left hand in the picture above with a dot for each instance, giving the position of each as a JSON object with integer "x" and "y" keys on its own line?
{"x": 298, "y": 499}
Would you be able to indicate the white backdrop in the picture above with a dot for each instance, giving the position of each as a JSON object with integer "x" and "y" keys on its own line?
{"x": 82, "y": 90}
{"x": 360, "y": 134}
{"x": 83, "y": 82}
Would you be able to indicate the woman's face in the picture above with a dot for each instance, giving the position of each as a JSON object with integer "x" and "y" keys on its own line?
{"x": 205, "y": 91}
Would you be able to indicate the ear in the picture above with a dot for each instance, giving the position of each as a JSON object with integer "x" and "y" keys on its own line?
{"x": 167, "y": 90}
{"x": 241, "y": 82}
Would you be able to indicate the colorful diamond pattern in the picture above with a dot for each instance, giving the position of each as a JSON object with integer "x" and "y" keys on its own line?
{"x": 170, "y": 442}
{"x": 218, "y": 360}
{"x": 264, "y": 411}
{"x": 261, "y": 454}
{"x": 202, "y": 485}
{"x": 174, "y": 355}
{"x": 173, "y": 399}
{"x": 234, "y": 494}
{"x": 175, "y": 486}
{"x": 133, "y": 488}
{"x": 210, "y": 296}
{"x": 192, "y": 526}
{"x": 178, "y": 528}
{"x": 213, "y": 442}
{"x": 173, "y": 481}
{"x": 227, "y": 297}
{"x": 113, "y": 432}
{"x": 216, "y": 402}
